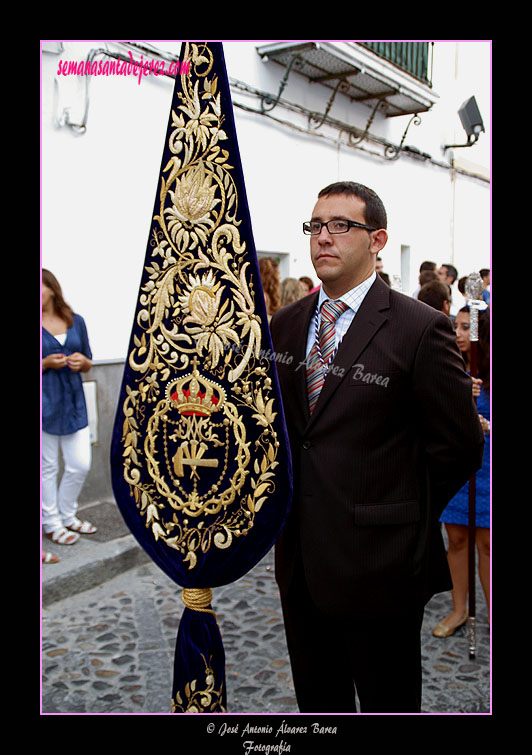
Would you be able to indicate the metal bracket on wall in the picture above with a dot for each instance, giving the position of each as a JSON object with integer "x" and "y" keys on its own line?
{"x": 353, "y": 140}
{"x": 342, "y": 86}
{"x": 64, "y": 118}
{"x": 392, "y": 152}
{"x": 267, "y": 103}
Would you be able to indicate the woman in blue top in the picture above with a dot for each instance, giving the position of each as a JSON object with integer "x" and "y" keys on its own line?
{"x": 65, "y": 355}
{"x": 456, "y": 514}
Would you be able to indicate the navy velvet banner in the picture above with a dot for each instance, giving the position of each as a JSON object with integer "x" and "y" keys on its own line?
{"x": 200, "y": 461}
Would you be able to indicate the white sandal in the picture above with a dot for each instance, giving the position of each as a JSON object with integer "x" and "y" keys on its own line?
{"x": 49, "y": 558}
{"x": 84, "y": 528}
{"x": 63, "y": 537}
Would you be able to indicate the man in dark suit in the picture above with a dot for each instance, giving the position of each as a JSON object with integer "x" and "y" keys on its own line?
{"x": 383, "y": 433}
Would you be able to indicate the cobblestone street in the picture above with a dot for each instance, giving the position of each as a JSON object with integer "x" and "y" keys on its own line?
{"x": 110, "y": 649}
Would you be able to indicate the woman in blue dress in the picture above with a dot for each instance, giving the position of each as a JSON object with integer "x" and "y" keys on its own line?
{"x": 65, "y": 355}
{"x": 456, "y": 514}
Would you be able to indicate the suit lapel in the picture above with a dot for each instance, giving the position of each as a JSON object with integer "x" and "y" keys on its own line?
{"x": 366, "y": 323}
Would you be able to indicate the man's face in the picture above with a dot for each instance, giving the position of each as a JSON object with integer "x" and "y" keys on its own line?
{"x": 442, "y": 274}
{"x": 343, "y": 260}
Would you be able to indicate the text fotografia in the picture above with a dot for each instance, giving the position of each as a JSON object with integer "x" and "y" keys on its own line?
{"x": 123, "y": 68}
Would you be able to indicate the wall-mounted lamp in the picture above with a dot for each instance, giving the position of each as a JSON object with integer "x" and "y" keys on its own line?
{"x": 471, "y": 121}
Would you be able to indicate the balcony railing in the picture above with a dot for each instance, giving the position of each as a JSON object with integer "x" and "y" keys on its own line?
{"x": 412, "y": 57}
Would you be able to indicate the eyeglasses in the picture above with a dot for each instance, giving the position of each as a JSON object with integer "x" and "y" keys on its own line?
{"x": 313, "y": 228}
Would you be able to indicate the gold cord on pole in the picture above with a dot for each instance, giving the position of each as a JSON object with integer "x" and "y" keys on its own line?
{"x": 197, "y": 599}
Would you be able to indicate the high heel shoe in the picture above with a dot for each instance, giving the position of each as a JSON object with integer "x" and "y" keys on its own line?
{"x": 444, "y": 630}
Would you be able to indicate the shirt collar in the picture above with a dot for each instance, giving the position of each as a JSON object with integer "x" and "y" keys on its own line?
{"x": 354, "y": 297}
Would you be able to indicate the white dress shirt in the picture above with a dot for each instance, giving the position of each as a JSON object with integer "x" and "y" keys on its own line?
{"x": 353, "y": 299}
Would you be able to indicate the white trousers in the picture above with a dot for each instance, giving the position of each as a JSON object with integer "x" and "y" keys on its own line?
{"x": 60, "y": 504}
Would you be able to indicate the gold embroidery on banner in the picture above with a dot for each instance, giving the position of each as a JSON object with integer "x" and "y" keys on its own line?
{"x": 197, "y": 328}
{"x": 200, "y": 700}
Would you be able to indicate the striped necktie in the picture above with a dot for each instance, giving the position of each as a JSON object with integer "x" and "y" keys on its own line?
{"x": 323, "y": 349}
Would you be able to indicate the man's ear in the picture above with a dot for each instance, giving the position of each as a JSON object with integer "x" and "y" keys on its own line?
{"x": 378, "y": 240}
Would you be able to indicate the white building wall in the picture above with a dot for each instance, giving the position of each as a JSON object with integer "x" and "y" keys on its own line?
{"x": 98, "y": 188}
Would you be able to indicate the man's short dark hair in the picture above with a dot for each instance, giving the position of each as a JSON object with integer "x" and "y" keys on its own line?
{"x": 374, "y": 214}
{"x": 435, "y": 294}
{"x": 427, "y": 276}
{"x": 427, "y": 265}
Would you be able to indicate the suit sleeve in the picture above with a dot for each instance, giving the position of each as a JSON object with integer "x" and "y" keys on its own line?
{"x": 451, "y": 431}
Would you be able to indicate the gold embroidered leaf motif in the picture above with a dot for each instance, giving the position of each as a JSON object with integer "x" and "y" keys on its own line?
{"x": 210, "y": 91}
{"x": 198, "y": 58}
{"x": 258, "y": 504}
{"x": 199, "y": 123}
{"x": 162, "y": 300}
{"x": 266, "y": 414}
{"x": 151, "y": 513}
{"x": 260, "y": 489}
{"x": 191, "y": 559}
{"x": 199, "y": 700}
{"x": 158, "y": 531}
{"x": 173, "y": 164}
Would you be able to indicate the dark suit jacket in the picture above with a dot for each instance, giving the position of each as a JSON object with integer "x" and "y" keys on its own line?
{"x": 393, "y": 437}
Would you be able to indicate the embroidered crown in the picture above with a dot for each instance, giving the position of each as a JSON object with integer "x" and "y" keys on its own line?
{"x": 195, "y": 394}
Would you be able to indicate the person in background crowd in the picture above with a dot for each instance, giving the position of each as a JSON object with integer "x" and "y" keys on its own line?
{"x": 290, "y": 291}
{"x": 449, "y": 274}
{"x": 65, "y": 355}
{"x": 456, "y": 514}
{"x": 461, "y": 288}
{"x": 437, "y": 295}
{"x": 379, "y": 269}
{"x": 426, "y": 266}
{"x": 486, "y": 293}
{"x": 270, "y": 277}
{"x": 427, "y": 276}
{"x": 307, "y": 284}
